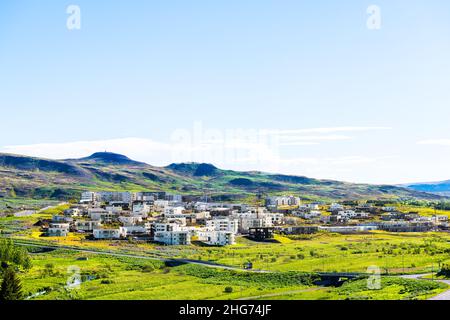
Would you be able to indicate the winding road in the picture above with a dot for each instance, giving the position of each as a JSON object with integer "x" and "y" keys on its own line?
{"x": 442, "y": 296}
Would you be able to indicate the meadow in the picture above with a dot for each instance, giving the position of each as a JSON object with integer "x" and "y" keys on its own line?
{"x": 117, "y": 278}
{"x": 106, "y": 277}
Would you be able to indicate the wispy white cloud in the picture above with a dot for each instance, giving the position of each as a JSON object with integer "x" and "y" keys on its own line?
{"x": 253, "y": 150}
{"x": 314, "y": 136}
{"x": 328, "y": 130}
{"x": 437, "y": 142}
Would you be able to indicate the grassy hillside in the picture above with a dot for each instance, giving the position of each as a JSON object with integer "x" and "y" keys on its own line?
{"x": 30, "y": 177}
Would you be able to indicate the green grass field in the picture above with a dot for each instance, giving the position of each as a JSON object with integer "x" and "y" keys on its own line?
{"x": 130, "y": 278}
{"x": 113, "y": 278}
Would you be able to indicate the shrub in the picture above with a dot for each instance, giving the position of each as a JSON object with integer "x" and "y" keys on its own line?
{"x": 165, "y": 270}
{"x": 107, "y": 281}
{"x": 147, "y": 268}
{"x": 228, "y": 289}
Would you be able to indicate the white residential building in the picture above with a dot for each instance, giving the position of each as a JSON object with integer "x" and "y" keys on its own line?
{"x": 109, "y": 233}
{"x": 277, "y": 218}
{"x": 173, "y": 210}
{"x": 161, "y": 204}
{"x": 58, "y": 230}
{"x": 217, "y": 238}
{"x": 348, "y": 229}
{"x": 136, "y": 230}
{"x": 204, "y": 215}
{"x": 114, "y": 209}
{"x": 171, "y": 234}
{"x": 350, "y": 214}
{"x": 141, "y": 208}
{"x": 88, "y": 197}
{"x": 87, "y": 225}
{"x": 223, "y": 224}
{"x": 309, "y": 215}
{"x": 282, "y": 201}
{"x": 73, "y": 212}
{"x": 114, "y": 197}
{"x": 103, "y": 215}
{"x": 145, "y": 196}
{"x": 130, "y": 220}
{"x": 182, "y": 237}
{"x": 309, "y": 207}
{"x": 253, "y": 220}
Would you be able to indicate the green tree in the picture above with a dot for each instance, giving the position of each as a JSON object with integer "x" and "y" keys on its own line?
{"x": 11, "y": 254}
{"x": 11, "y": 288}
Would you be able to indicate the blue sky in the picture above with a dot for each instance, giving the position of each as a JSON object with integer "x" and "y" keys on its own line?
{"x": 348, "y": 103}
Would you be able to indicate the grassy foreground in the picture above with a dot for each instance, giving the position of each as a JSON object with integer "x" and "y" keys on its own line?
{"x": 114, "y": 278}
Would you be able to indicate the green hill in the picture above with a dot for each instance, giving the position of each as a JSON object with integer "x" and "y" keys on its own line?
{"x": 30, "y": 177}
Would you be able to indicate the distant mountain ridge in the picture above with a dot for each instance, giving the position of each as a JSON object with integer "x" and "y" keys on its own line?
{"x": 45, "y": 178}
{"x": 440, "y": 187}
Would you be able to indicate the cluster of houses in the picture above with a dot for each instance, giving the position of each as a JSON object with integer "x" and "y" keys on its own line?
{"x": 357, "y": 218}
{"x": 172, "y": 220}
{"x": 162, "y": 218}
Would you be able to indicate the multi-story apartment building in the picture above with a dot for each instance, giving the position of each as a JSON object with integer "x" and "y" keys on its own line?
{"x": 223, "y": 224}
{"x": 171, "y": 234}
{"x": 282, "y": 201}
{"x": 87, "y": 225}
{"x": 217, "y": 238}
{"x": 58, "y": 229}
{"x": 109, "y": 233}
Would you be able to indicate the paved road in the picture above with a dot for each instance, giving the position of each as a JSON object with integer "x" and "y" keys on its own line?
{"x": 442, "y": 296}
{"x": 52, "y": 207}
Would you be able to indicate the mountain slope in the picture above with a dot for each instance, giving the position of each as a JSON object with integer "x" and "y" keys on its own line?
{"x": 441, "y": 187}
{"x": 45, "y": 178}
